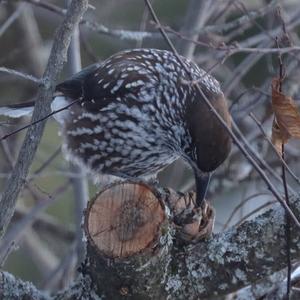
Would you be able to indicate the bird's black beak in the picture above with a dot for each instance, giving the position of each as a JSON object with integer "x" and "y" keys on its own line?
{"x": 202, "y": 182}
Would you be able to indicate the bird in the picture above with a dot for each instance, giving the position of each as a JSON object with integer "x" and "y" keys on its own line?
{"x": 137, "y": 112}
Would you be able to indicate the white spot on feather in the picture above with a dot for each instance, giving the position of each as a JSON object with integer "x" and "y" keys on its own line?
{"x": 58, "y": 103}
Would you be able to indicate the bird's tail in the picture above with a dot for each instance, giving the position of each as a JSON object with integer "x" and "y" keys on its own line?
{"x": 17, "y": 110}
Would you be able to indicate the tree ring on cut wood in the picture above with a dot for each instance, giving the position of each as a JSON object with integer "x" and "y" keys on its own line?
{"x": 124, "y": 219}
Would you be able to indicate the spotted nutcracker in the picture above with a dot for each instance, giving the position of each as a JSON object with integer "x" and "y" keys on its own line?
{"x": 136, "y": 113}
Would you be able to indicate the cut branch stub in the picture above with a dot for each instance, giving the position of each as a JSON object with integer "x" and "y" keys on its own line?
{"x": 124, "y": 219}
{"x": 129, "y": 241}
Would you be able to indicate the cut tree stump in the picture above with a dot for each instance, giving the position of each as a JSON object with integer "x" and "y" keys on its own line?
{"x": 124, "y": 219}
{"x": 131, "y": 228}
{"x": 128, "y": 241}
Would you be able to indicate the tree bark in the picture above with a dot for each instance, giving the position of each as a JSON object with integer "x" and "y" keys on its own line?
{"x": 134, "y": 250}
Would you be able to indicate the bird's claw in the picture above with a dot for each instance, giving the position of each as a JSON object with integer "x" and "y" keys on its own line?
{"x": 200, "y": 226}
{"x": 193, "y": 223}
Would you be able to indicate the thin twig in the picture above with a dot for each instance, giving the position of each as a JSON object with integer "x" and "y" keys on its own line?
{"x": 21, "y": 75}
{"x": 49, "y": 6}
{"x": 241, "y": 6}
{"x": 234, "y": 48}
{"x": 58, "y": 274}
{"x": 140, "y": 35}
{"x": 96, "y": 27}
{"x": 12, "y": 18}
{"x": 253, "y": 117}
{"x": 254, "y": 211}
{"x": 38, "y": 250}
{"x": 236, "y": 23}
{"x": 45, "y": 223}
{"x": 4, "y": 137}
{"x": 45, "y": 164}
{"x": 262, "y": 163}
{"x": 240, "y": 205}
{"x": 143, "y": 25}
{"x": 15, "y": 232}
{"x": 197, "y": 14}
{"x": 287, "y": 230}
{"x": 5, "y": 255}
{"x": 32, "y": 41}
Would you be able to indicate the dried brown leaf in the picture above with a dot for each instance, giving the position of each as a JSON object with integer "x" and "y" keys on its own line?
{"x": 286, "y": 124}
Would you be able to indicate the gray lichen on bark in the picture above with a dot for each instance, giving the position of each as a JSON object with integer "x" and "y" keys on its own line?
{"x": 13, "y": 288}
{"x": 235, "y": 258}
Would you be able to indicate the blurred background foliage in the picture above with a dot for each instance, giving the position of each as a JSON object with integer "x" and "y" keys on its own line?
{"x": 44, "y": 240}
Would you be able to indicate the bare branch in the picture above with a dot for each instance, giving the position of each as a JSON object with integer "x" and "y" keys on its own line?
{"x": 14, "y": 16}
{"x": 224, "y": 28}
{"x": 231, "y": 49}
{"x": 47, "y": 116}
{"x": 16, "y": 231}
{"x": 196, "y": 16}
{"x": 130, "y": 35}
{"x": 21, "y": 75}
{"x": 32, "y": 41}
{"x": 42, "y": 107}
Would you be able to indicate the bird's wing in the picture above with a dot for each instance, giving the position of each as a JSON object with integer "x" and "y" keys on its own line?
{"x": 116, "y": 79}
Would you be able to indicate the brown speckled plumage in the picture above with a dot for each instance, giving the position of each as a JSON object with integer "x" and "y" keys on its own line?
{"x": 138, "y": 114}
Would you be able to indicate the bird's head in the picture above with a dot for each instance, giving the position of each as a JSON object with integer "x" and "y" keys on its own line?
{"x": 211, "y": 142}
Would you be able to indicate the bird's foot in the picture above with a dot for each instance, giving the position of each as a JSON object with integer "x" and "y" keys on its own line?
{"x": 192, "y": 223}
{"x": 201, "y": 224}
